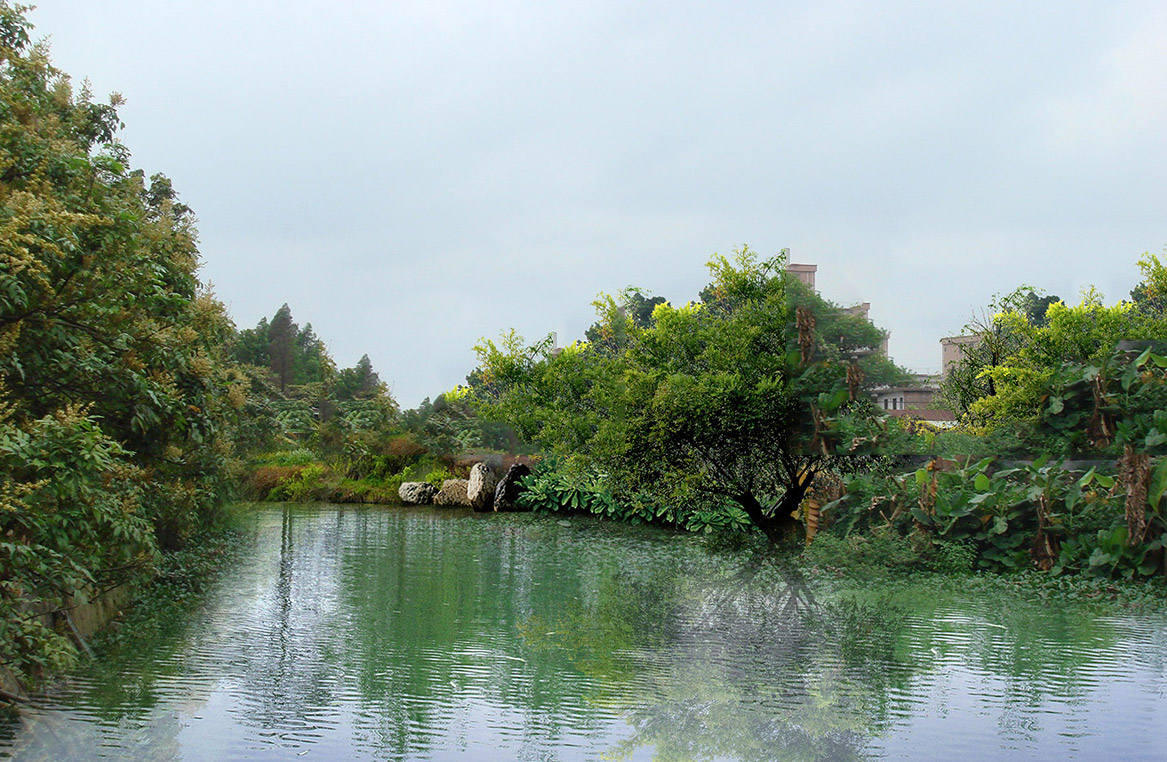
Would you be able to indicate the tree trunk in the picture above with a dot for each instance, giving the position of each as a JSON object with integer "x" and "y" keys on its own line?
{"x": 781, "y": 528}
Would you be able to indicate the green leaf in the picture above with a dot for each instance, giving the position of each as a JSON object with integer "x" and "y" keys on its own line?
{"x": 981, "y": 483}
{"x": 1101, "y": 558}
{"x": 837, "y": 399}
{"x": 1158, "y": 484}
{"x": 919, "y": 515}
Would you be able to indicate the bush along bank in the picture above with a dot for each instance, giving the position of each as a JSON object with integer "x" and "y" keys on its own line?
{"x": 986, "y": 515}
{"x": 1004, "y": 513}
{"x": 300, "y": 475}
{"x": 749, "y": 410}
{"x": 1040, "y": 515}
{"x": 285, "y": 476}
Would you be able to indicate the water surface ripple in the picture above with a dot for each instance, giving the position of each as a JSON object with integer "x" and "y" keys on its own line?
{"x": 389, "y": 634}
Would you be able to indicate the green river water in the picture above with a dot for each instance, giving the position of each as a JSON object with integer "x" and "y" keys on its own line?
{"x": 390, "y": 634}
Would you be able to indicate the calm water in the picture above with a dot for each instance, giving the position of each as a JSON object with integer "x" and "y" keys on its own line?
{"x": 383, "y": 634}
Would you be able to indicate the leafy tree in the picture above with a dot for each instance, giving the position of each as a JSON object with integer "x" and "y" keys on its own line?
{"x": 72, "y": 522}
{"x": 732, "y": 404}
{"x": 119, "y": 407}
{"x": 295, "y": 356}
{"x": 1003, "y": 379}
{"x": 99, "y": 299}
{"x": 1150, "y": 295}
{"x": 1027, "y": 355}
{"x": 636, "y": 306}
{"x": 311, "y": 363}
{"x": 251, "y": 345}
{"x": 998, "y": 338}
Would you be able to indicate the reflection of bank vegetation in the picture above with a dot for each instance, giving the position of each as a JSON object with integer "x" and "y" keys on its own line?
{"x": 427, "y": 626}
{"x": 747, "y": 663}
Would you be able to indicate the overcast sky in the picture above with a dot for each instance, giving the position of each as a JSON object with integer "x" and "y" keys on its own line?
{"x": 411, "y": 176}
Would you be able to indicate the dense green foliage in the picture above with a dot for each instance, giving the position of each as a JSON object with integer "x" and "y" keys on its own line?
{"x": 1006, "y": 375}
{"x": 127, "y": 398}
{"x": 298, "y": 362}
{"x": 1038, "y": 515}
{"x": 1087, "y": 381}
{"x": 565, "y": 486}
{"x": 361, "y": 450}
{"x": 725, "y": 408}
{"x": 748, "y": 409}
{"x": 318, "y": 433}
{"x": 118, "y": 410}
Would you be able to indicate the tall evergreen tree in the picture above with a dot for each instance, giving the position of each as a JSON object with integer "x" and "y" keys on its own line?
{"x": 281, "y": 343}
{"x": 359, "y": 382}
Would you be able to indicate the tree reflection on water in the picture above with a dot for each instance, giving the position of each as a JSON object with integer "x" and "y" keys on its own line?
{"x": 745, "y": 663}
{"x": 372, "y": 634}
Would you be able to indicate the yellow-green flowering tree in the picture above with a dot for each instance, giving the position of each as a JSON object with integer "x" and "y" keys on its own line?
{"x": 117, "y": 404}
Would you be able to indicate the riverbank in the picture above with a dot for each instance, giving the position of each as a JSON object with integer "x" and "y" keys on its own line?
{"x": 158, "y": 606}
{"x": 143, "y": 607}
{"x": 301, "y": 476}
{"x": 849, "y": 535}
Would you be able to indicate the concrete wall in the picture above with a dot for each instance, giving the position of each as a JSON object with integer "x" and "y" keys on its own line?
{"x": 804, "y": 273}
{"x": 952, "y": 350}
{"x": 89, "y": 616}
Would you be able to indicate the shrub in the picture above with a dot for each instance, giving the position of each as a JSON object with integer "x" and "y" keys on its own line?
{"x": 304, "y": 484}
{"x": 397, "y": 453}
{"x": 262, "y": 481}
{"x": 438, "y": 476}
{"x": 301, "y": 456}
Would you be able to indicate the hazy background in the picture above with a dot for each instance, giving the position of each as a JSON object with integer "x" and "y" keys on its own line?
{"x": 411, "y": 176}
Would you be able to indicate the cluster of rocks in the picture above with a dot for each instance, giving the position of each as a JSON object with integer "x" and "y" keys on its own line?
{"x": 483, "y": 491}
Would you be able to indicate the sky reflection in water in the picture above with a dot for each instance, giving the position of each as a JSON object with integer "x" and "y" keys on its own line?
{"x": 385, "y": 634}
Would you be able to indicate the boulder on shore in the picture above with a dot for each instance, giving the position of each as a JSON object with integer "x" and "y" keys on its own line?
{"x": 453, "y": 492}
{"x": 480, "y": 487}
{"x": 417, "y": 493}
{"x": 509, "y": 488}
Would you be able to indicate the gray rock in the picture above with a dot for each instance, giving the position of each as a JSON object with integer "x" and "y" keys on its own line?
{"x": 453, "y": 492}
{"x": 509, "y": 488}
{"x": 417, "y": 493}
{"x": 480, "y": 487}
